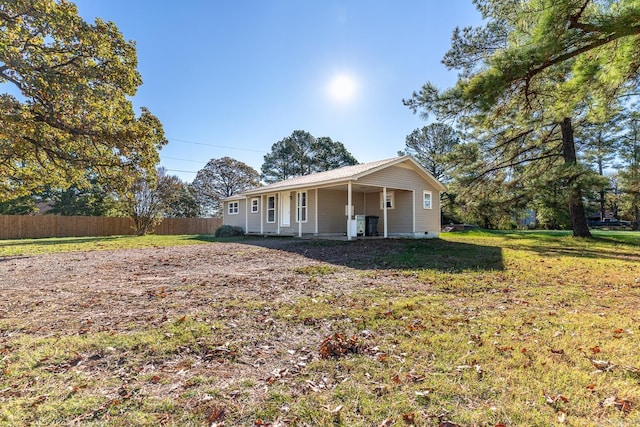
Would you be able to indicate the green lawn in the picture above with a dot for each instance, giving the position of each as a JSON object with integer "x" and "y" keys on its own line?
{"x": 474, "y": 329}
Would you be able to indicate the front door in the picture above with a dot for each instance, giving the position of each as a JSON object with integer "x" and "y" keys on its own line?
{"x": 285, "y": 209}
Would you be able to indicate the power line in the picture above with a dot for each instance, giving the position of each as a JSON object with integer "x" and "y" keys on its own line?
{"x": 177, "y": 170}
{"x": 183, "y": 160}
{"x": 217, "y": 146}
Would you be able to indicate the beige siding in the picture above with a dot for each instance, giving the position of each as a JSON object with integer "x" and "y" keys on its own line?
{"x": 237, "y": 220}
{"x": 331, "y": 217}
{"x": 397, "y": 178}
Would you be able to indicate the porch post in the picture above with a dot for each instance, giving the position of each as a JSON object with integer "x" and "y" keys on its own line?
{"x": 384, "y": 209}
{"x": 349, "y": 203}
{"x": 413, "y": 193}
{"x": 298, "y": 214}
{"x": 262, "y": 214}
{"x": 246, "y": 214}
{"x": 316, "y": 211}
{"x": 278, "y": 213}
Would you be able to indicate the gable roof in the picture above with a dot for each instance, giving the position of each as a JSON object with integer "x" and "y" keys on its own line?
{"x": 343, "y": 174}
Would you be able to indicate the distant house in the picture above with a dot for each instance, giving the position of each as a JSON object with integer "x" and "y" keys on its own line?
{"x": 392, "y": 197}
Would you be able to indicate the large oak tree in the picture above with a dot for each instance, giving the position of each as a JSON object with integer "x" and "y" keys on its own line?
{"x": 66, "y": 104}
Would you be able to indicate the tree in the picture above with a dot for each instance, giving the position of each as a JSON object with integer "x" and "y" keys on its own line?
{"x": 184, "y": 204}
{"x": 432, "y": 147}
{"x": 629, "y": 175}
{"x": 599, "y": 143}
{"x": 222, "y": 178}
{"x": 93, "y": 199}
{"x": 23, "y": 205}
{"x": 149, "y": 198}
{"x": 533, "y": 69}
{"x": 73, "y": 111}
{"x": 329, "y": 154}
{"x": 303, "y": 154}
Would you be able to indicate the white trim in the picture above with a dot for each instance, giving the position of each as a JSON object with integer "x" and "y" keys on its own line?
{"x": 384, "y": 210}
{"x": 246, "y": 214}
{"x": 257, "y": 206}
{"x": 383, "y": 198}
{"x": 349, "y": 209}
{"x": 430, "y": 193}
{"x": 261, "y": 214}
{"x": 285, "y": 209}
{"x": 275, "y": 209}
{"x": 299, "y": 206}
{"x": 316, "y": 210}
{"x": 413, "y": 209}
{"x": 277, "y": 213}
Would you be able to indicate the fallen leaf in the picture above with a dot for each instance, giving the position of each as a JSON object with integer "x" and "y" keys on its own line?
{"x": 595, "y": 349}
{"x": 622, "y": 404}
{"x": 602, "y": 365}
{"x": 409, "y": 418}
{"x": 217, "y": 415}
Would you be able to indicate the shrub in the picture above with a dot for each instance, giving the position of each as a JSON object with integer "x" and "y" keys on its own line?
{"x": 229, "y": 231}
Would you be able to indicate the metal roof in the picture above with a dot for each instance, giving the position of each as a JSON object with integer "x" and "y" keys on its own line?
{"x": 344, "y": 174}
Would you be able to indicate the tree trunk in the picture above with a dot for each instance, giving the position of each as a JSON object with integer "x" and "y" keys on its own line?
{"x": 576, "y": 208}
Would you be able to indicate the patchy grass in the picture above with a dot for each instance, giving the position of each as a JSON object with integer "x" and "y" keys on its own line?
{"x": 475, "y": 329}
{"x": 21, "y": 247}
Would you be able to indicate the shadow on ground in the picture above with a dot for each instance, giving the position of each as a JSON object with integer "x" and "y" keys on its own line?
{"x": 561, "y": 244}
{"x": 391, "y": 254}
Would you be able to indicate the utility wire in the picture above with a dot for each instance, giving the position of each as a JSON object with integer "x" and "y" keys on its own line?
{"x": 183, "y": 160}
{"x": 177, "y": 170}
{"x": 217, "y": 146}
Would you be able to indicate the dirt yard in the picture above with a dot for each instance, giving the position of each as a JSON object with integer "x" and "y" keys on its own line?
{"x": 128, "y": 291}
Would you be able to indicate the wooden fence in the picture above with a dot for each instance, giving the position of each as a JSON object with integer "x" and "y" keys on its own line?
{"x": 38, "y": 226}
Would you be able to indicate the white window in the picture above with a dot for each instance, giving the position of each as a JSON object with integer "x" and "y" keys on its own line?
{"x": 301, "y": 215}
{"x": 426, "y": 198}
{"x": 234, "y": 208}
{"x": 255, "y": 205}
{"x": 390, "y": 200}
{"x": 271, "y": 209}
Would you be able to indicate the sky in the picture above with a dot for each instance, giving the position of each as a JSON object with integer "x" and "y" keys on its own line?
{"x": 231, "y": 78}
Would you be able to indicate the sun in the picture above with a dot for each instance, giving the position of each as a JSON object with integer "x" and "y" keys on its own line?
{"x": 342, "y": 88}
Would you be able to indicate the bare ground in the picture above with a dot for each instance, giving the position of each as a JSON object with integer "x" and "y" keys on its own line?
{"x": 235, "y": 287}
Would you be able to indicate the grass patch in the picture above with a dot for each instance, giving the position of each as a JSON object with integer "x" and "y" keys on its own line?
{"x": 477, "y": 328}
{"x": 20, "y": 247}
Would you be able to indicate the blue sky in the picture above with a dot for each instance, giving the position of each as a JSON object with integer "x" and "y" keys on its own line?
{"x": 231, "y": 78}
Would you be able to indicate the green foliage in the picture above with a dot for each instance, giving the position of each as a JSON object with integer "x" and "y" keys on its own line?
{"x": 229, "y": 231}
{"x": 528, "y": 74}
{"x": 222, "y": 178}
{"x": 630, "y": 173}
{"x": 73, "y": 112}
{"x": 24, "y": 205}
{"x": 303, "y": 154}
{"x": 432, "y": 146}
{"x": 93, "y": 199}
{"x": 150, "y": 198}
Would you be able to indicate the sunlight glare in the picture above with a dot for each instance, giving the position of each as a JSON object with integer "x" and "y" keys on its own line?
{"x": 342, "y": 88}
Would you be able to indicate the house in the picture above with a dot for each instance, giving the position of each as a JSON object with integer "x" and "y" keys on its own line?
{"x": 403, "y": 196}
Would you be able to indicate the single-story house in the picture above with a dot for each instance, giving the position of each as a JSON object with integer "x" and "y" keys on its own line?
{"x": 392, "y": 197}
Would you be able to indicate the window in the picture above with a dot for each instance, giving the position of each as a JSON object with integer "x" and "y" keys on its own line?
{"x": 234, "y": 208}
{"x": 271, "y": 209}
{"x": 390, "y": 200}
{"x": 301, "y": 215}
{"x": 426, "y": 197}
{"x": 255, "y": 205}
